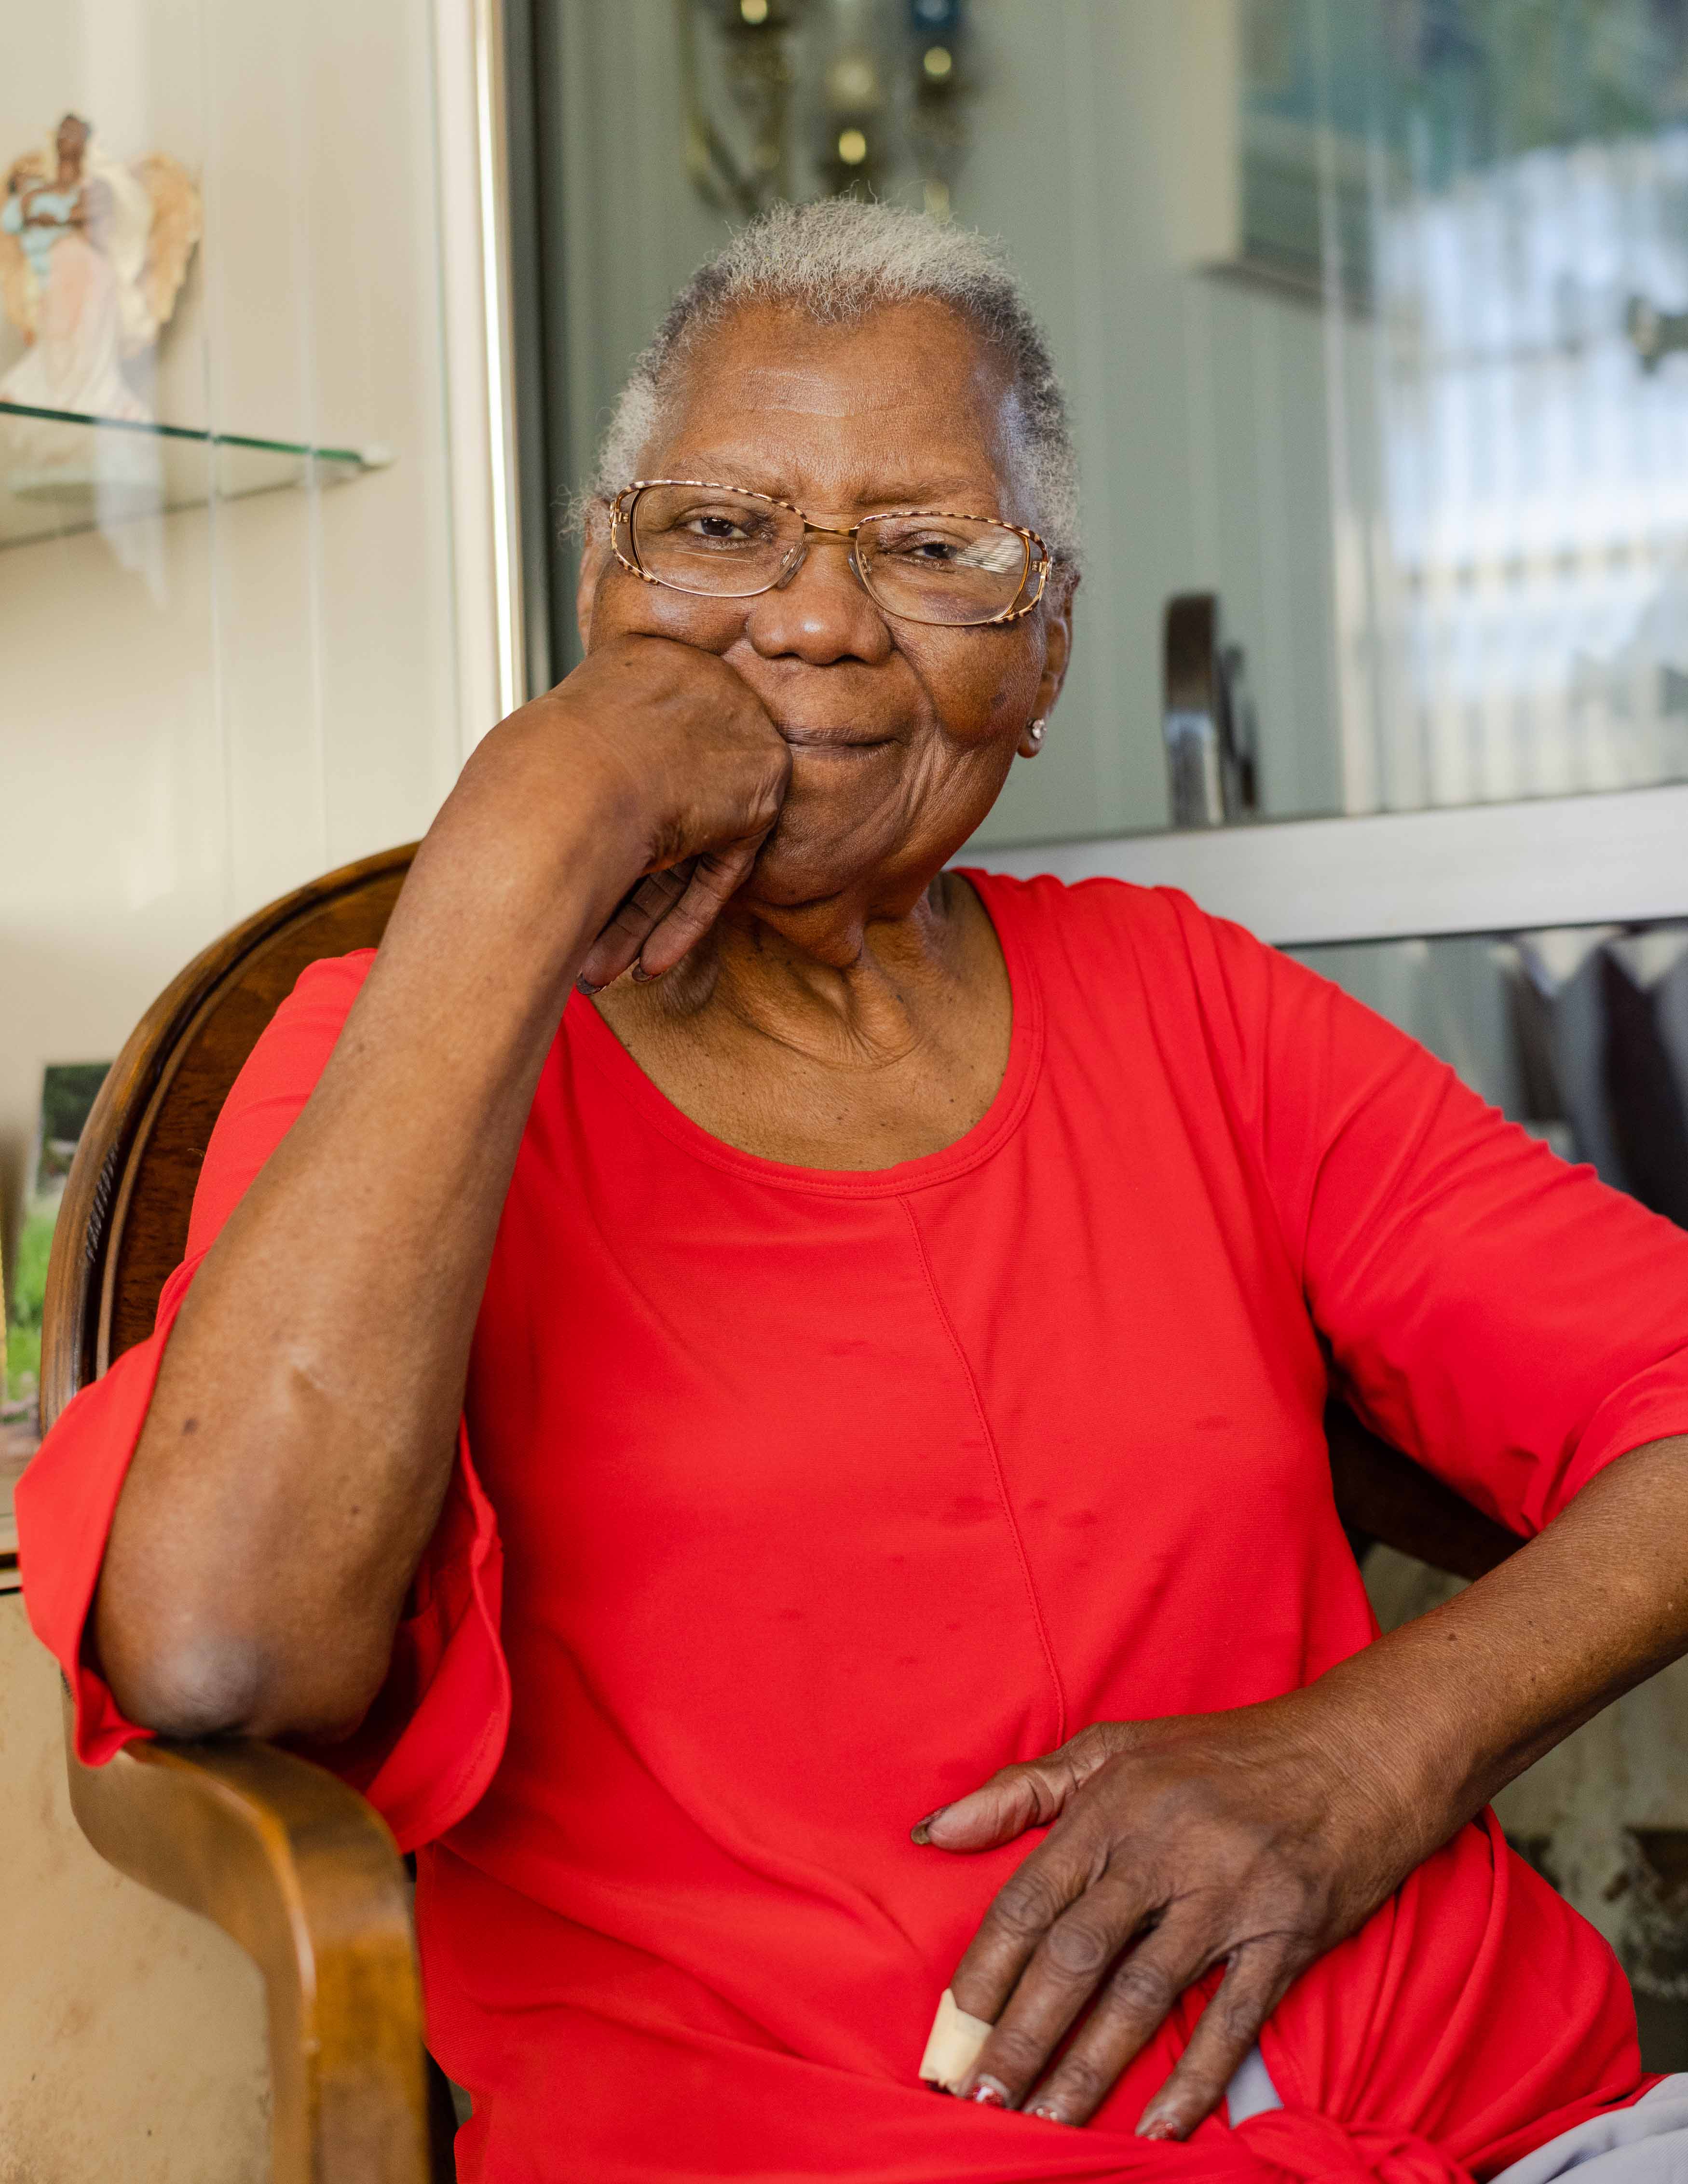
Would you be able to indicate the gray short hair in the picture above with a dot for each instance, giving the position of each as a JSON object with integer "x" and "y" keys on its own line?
{"x": 835, "y": 261}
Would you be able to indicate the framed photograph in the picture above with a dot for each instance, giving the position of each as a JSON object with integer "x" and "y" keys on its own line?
{"x": 67, "y": 1094}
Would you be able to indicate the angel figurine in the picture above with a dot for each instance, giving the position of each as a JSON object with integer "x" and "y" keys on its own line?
{"x": 92, "y": 255}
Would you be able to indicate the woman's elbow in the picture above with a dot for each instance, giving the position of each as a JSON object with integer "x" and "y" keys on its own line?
{"x": 192, "y": 1684}
{"x": 190, "y": 1689}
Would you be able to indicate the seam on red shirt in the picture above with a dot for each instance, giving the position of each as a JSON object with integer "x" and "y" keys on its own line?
{"x": 1030, "y": 1583}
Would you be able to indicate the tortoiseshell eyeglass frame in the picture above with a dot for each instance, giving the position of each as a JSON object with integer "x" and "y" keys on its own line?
{"x": 622, "y": 516}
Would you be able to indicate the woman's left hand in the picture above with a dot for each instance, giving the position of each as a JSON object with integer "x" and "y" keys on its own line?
{"x": 1255, "y": 1839}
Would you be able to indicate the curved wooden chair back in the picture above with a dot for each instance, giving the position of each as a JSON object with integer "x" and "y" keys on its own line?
{"x": 282, "y": 1856}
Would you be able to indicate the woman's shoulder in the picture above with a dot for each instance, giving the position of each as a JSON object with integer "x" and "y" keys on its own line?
{"x": 1166, "y": 939}
{"x": 299, "y": 1037}
{"x": 1113, "y": 961}
{"x": 1098, "y": 901}
{"x": 302, "y": 1031}
{"x": 274, "y": 1081}
{"x": 331, "y": 981}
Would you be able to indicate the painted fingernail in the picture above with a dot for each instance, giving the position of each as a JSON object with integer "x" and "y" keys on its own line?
{"x": 584, "y": 985}
{"x": 990, "y": 2093}
{"x": 921, "y": 1832}
{"x": 1156, "y": 2127}
{"x": 1048, "y": 2115}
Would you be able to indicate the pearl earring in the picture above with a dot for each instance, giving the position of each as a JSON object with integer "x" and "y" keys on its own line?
{"x": 1035, "y": 735}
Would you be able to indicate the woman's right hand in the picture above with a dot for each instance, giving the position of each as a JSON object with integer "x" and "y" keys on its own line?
{"x": 316, "y": 1373}
{"x": 676, "y": 755}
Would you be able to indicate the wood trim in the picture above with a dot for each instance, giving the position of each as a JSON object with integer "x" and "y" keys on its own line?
{"x": 474, "y": 433}
{"x": 492, "y": 145}
{"x": 297, "y": 1869}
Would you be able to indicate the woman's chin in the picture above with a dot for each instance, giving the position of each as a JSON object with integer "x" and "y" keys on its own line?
{"x": 832, "y": 831}
{"x": 806, "y": 860}
{"x": 784, "y": 878}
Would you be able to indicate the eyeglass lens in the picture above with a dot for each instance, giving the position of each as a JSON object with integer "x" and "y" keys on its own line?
{"x": 956, "y": 569}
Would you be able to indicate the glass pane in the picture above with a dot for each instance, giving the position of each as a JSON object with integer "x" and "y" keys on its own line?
{"x": 1581, "y": 1035}
{"x": 1371, "y": 312}
{"x": 65, "y": 470}
{"x": 1501, "y": 195}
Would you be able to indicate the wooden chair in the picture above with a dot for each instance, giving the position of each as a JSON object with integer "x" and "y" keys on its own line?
{"x": 278, "y": 1853}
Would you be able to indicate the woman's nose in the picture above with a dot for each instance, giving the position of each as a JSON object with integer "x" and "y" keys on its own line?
{"x": 820, "y": 612}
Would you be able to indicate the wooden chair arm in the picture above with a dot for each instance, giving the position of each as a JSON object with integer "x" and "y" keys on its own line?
{"x": 302, "y": 1873}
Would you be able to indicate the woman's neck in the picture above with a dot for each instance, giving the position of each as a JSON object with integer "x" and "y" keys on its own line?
{"x": 828, "y": 980}
{"x": 829, "y": 1042}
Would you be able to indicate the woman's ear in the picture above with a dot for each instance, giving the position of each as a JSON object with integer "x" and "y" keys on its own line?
{"x": 1056, "y": 609}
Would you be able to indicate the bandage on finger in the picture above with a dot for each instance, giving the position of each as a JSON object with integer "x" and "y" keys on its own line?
{"x": 953, "y": 2045}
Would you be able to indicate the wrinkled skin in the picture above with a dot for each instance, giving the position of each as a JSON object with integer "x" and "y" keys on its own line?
{"x": 1230, "y": 1839}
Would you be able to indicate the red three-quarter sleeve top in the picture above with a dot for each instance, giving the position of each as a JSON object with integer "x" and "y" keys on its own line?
{"x": 791, "y": 1503}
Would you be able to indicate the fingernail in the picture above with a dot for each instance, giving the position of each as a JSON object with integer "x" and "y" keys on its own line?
{"x": 584, "y": 985}
{"x": 640, "y": 975}
{"x": 1048, "y": 2114}
{"x": 1156, "y": 2127}
{"x": 921, "y": 1832}
{"x": 990, "y": 2093}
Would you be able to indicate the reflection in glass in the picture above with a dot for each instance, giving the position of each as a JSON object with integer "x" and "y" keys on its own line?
{"x": 1491, "y": 199}
{"x": 1580, "y": 1032}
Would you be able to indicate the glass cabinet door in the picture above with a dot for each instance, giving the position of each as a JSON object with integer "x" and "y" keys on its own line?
{"x": 1422, "y": 401}
{"x": 1372, "y": 315}
{"x": 1408, "y": 417}
{"x": 1489, "y": 200}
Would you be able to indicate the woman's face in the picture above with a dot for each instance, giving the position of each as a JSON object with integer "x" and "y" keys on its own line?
{"x": 902, "y": 732}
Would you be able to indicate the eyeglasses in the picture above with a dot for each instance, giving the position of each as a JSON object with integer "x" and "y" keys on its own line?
{"x": 722, "y": 542}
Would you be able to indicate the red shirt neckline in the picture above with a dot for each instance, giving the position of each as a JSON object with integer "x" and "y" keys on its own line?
{"x": 1007, "y": 1108}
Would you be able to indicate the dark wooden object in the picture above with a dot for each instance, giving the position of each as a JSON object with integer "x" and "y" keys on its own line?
{"x": 282, "y": 1855}
{"x": 1383, "y": 1495}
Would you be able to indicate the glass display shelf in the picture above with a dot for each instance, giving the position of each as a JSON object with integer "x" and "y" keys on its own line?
{"x": 64, "y": 472}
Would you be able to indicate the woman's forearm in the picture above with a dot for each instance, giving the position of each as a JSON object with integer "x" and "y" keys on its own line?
{"x": 301, "y": 1435}
{"x": 1453, "y": 1705}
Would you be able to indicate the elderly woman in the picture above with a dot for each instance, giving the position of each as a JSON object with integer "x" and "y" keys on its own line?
{"x": 726, "y": 1335}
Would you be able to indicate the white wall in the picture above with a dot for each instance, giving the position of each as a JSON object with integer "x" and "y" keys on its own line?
{"x": 202, "y": 714}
